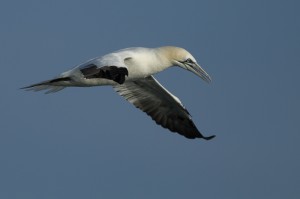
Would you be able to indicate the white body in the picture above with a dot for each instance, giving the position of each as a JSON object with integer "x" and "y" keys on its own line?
{"x": 144, "y": 62}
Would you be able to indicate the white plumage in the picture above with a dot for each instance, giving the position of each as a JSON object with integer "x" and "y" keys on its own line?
{"x": 130, "y": 72}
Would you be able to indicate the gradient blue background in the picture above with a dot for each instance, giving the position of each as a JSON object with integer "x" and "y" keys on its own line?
{"x": 91, "y": 143}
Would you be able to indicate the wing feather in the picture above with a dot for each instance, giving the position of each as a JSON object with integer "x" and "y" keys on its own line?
{"x": 164, "y": 108}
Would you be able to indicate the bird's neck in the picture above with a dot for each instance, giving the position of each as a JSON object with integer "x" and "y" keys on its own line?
{"x": 164, "y": 58}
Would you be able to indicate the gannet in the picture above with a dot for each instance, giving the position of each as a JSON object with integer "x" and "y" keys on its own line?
{"x": 130, "y": 72}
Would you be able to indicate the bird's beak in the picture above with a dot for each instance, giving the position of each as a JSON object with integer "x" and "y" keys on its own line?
{"x": 199, "y": 71}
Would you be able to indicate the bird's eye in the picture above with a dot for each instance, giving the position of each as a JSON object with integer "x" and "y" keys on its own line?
{"x": 189, "y": 61}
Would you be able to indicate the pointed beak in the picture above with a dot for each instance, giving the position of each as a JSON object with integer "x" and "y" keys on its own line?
{"x": 199, "y": 71}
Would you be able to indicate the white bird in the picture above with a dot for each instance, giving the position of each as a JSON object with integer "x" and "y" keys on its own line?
{"x": 129, "y": 71}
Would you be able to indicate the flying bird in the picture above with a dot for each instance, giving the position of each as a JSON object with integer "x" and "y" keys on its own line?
{"x": 130, "y": 72}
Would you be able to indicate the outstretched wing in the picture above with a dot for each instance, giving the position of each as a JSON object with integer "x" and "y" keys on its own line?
{"x": 151, "y": 97}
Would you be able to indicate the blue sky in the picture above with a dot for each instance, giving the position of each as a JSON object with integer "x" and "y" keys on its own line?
{"x": 91, "y": 143}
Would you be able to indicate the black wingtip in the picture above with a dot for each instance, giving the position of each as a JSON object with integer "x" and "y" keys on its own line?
{"x": 209, "y": 137}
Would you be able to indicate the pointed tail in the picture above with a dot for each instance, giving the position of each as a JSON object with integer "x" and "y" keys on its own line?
{"x": 52, "y": 85}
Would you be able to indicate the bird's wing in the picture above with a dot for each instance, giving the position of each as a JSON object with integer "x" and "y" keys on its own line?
{"x": 151, "y": 97}
{"x": 111, "y": 66}
{"x": 114, "y": 73}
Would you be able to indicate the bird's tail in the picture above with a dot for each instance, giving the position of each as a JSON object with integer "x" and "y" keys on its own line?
{"x": 51, "y": 86}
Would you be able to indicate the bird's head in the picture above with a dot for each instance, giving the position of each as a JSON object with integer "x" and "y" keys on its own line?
{"x": 182, "y": 58}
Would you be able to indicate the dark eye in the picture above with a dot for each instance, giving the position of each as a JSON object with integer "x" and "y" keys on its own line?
{"x": 189, "y": 61}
